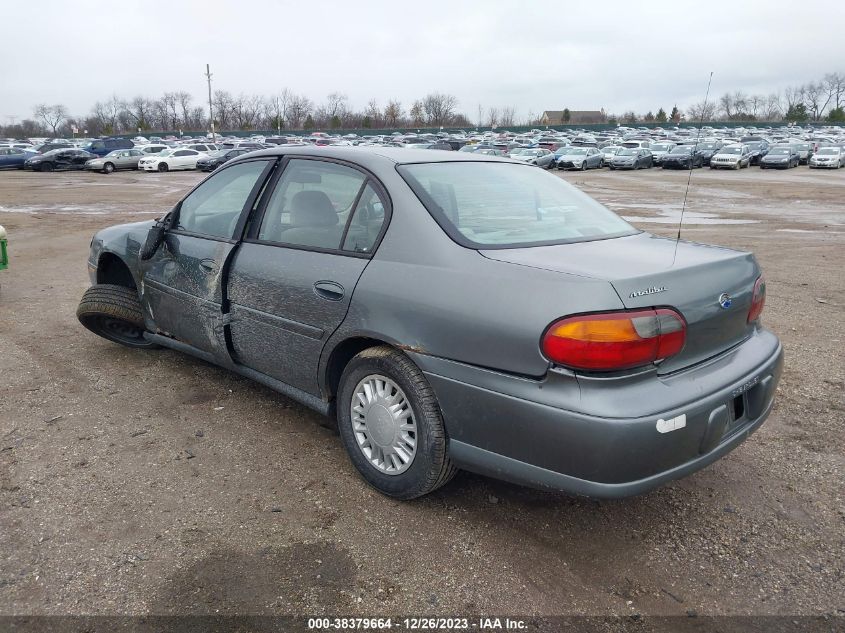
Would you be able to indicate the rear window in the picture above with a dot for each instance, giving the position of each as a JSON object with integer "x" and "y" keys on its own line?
{"x": 503, "y": 205}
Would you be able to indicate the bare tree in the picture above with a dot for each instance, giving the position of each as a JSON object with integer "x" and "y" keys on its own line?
{"x": 393, "y": 113}
{"x": 755, "y": 105}
{"x": 814, "y": 94}
{"x": 834, "y": 83}
{"x": 140, "y": 109}
{"x": 337, "y": 105}
{"x": 223, "y": 105}
{"x": 417, "y": 114}
{"x": 702, "y": 111}
{"x": 507, "y": 116}
{"x": 299, "y": 108}
{"x": 439, "y": 108}
{"x": 374, "y": 113}
{"x": 51, "y": 116}
{"x": 793, "y": 95}
{"x": 246, "y": 110}
{"x": 726, "y": 105}
{"x": 773, "y": 107}
{"x": 198, "y": 118}
{"x": 184, "y": 100}
{"x": 107, "y": 114}
{"x": 493, "y": 117}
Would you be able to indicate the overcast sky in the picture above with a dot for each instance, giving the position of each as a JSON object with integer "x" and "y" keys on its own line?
{"x": 534, "y": 56}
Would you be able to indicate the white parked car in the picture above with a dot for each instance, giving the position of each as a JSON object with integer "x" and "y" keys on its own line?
{"x": 731, "y": 157}
{"x": 171, "y": 159}
{"x": 202, "y": 147}
{"x": 828, "y": 158}
{"x": 152, "y": 148}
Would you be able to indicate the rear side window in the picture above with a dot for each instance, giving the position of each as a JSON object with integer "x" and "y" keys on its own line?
{"x": 502, "y": 205}
{"x": 311, "y": 204}
{"x": 366, "y": 223}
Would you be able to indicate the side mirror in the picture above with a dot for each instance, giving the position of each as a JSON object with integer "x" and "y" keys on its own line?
{"x": 154, "y": 238}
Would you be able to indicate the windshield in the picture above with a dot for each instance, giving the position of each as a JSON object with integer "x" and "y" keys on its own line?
{"x": 167, "y": 152}
{"x": 779, "y": 150}
{"x": 828, "y": 151}
{"x": 682, "y": 149}
{"x": 628, "y": 152}
{"x": 507, "y": 205}
{"x": 659, "y": 147}
{"x": 707, "y": 145}
{"x": 731, "y": 150}
{"x": 574, "y": 151}
{"x": 115, "y": 152}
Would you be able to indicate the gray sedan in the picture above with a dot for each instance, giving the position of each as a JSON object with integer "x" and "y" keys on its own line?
{"x": 451, "y": 311}
{"x": 118, "y": 159}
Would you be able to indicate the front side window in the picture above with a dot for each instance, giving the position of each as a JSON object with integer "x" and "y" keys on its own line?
{"x": 493, "y": 205}
{"x": 311, "y": 204}
{"x": 214, "y": 207}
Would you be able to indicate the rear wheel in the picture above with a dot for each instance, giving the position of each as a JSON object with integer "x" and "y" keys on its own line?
{"x": 114, "y": 312}
{"x": 162, "y": 167}
{"x": 391, "y": 425}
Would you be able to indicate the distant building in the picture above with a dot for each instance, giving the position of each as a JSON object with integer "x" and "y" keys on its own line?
{"x": 576, "y": 117}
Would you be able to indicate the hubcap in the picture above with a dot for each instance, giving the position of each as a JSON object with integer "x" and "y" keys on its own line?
{"x": 384, "y": 425}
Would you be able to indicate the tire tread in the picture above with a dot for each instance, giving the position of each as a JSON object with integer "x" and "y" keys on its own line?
{"x": 443, "y": 470}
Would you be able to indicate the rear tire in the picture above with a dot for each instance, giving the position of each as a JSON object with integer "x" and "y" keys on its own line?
{"x": 114, "y": 312}
{"x": 162, "y": 167}
{"x": 429, "y": 466}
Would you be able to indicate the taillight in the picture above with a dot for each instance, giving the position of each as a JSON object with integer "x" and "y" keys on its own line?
{"x": 758, "y": 299}
{"x": 615, "y": 340}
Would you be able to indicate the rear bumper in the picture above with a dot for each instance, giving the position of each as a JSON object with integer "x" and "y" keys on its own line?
{"x": 600, "y": 437}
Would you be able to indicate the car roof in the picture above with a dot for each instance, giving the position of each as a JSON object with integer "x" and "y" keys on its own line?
{"x": 374, "y": 155}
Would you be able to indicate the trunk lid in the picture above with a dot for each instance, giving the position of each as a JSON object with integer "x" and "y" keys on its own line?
{"x": 645, "y": 271}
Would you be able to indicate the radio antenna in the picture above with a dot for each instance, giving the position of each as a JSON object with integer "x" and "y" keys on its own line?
{"x": 691, "y": 163}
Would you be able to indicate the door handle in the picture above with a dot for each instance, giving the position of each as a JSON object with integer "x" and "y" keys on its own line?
{"x": 329, "y": 290}
{"x": 208, "y": 266}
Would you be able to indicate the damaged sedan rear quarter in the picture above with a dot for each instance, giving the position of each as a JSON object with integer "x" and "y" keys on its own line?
{"x": 452, "y": 311}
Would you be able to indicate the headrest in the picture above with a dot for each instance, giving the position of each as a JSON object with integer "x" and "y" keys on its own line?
{"x": 312, "y": 208}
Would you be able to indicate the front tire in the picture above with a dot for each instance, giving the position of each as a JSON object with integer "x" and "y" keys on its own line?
{"x": 391, "y": 426}
{"x": 162, "y": 167}
{"x": 108, "y": 168}
{"x": 114, "y": 312}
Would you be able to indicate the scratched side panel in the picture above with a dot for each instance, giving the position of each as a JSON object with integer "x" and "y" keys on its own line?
{"x": 279, "y": 324}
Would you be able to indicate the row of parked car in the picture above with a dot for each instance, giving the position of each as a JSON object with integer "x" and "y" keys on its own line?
{"x": 684, "y": 155}
{"x": 621, "y": 148}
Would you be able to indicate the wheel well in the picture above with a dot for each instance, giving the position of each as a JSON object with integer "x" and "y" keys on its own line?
{"x": 112, "y": 270}
{"x": 340, "y": 357}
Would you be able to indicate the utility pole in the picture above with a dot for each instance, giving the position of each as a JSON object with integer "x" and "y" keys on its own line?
{"x": 210, "y": 109}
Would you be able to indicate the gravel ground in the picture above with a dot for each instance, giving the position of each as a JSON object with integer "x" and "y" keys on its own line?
{"x": 149, "y": 482}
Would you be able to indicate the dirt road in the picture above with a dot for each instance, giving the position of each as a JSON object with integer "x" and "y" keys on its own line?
{"x": 150, "y": 482}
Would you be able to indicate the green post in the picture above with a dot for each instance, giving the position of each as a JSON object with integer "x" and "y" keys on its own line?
{"x": 4, "y": 256}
